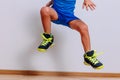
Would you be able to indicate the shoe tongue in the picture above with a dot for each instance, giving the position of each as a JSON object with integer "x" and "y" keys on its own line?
{"x": 47, "y": 35}
{"x": 90, "y": 53}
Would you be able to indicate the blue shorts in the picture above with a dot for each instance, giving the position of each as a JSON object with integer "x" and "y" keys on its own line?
{"x": 64, "y": 18}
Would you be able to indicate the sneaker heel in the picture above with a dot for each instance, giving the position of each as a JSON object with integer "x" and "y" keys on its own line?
{"x": 86, "y": 63}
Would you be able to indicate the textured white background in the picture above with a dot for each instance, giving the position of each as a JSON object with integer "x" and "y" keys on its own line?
{"x": 20, "y": 28}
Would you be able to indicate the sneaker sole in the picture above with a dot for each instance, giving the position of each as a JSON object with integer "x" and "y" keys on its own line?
{"x": 41, "y": 50}
{"x": 44, "y": 50}
{"x": 97, "y": 68}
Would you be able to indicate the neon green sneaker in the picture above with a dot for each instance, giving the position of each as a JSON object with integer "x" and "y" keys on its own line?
{"x": 90, "y": 58}
{"x": 46, "y": 43}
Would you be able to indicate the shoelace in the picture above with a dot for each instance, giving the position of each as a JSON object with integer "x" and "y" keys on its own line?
{"x": 45, "y": 40}
{"x": 93, "y": 59}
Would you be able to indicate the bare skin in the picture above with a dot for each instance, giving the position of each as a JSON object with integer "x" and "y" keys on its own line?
{"x": 48, "y": 14}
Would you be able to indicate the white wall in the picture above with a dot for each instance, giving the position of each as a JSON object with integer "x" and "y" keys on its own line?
{"x": 20, "y": 29}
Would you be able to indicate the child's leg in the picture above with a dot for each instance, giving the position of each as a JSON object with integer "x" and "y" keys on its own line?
{"x": 47, "y": 14}
{"x": 90, "y": 56}
{"x": 82, "y": 28}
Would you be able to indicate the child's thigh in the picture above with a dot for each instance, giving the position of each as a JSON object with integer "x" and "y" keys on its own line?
{"x": 75, "y": 24}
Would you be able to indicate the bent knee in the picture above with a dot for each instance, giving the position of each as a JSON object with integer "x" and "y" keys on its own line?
{"x": 44, "y": 10}
{"x": 82, "y": 28}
